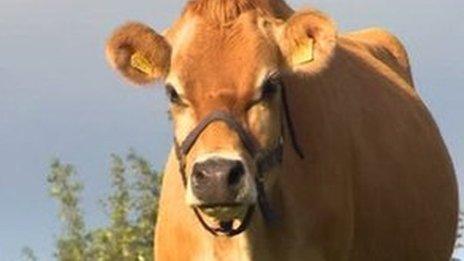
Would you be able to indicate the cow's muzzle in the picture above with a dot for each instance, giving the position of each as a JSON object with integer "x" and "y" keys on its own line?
{"x": 218, "y": 181}
{"x": 222, "y": 188}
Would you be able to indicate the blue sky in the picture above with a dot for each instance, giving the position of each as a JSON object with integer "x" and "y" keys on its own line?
{"x": 59, "y": 99}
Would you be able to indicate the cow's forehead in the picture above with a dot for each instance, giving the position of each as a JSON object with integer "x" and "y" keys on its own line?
{"x": 211, "y": 57}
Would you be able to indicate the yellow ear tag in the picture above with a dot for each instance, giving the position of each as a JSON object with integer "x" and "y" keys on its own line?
{"x": 304, "y": 52}
{"x": 139, "y": 62}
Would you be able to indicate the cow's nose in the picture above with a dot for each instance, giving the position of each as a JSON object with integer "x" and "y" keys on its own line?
{"x": 217, "y": 180}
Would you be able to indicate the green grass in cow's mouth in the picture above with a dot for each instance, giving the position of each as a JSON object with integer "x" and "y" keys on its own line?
{"x": 224, "y": 212}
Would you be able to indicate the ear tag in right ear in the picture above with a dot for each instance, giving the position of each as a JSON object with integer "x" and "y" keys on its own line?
{"x": 304, "y": 52}
{"x": 139, "y": 62}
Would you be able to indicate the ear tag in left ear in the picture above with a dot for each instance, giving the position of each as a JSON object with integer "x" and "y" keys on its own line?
{"x": 304, "y": 52}
{"x": 139, "y": 62}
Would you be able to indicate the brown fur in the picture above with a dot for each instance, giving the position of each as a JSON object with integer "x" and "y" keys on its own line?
{"x": 387, "y": 48}
{"x": 377, "y": 182}
{"x": 226, "y": 11}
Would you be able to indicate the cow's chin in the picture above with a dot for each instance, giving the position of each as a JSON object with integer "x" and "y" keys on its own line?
{"x": 225, "y": 213}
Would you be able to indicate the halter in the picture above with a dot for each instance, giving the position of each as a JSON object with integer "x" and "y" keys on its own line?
{"x": 264, "y": 160}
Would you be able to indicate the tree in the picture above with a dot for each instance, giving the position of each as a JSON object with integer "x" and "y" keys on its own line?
{"x": 72, "y": 244}
{"x": 145, "y": 203}
{"x": 131, "y": 208}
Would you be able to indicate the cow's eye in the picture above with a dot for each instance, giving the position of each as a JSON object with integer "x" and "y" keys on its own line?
{"x": 270, "y": 88}
{"x": 173, "y": 95}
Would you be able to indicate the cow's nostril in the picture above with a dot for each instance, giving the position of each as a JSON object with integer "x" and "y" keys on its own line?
{"x": 235, "y": 175}
{"x": 199, "y": 176}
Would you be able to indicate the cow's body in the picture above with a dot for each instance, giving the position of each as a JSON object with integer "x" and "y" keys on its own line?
{"x": 377, "y": 182}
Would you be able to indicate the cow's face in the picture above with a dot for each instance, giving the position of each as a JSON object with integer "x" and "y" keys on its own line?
{"x": 234, "y": 68}
{"x": 231, "y": 69}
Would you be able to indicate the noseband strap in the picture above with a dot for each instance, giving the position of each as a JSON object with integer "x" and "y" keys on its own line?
{"x": 245, "y": 137}
{"x": 264, "y": 160}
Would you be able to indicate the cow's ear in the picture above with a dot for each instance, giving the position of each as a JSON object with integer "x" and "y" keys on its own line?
{"x": 140, "y": 54}
{"x": 307, "y": 41}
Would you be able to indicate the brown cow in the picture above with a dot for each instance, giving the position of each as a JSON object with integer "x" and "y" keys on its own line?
{"x": 322, "y": 134}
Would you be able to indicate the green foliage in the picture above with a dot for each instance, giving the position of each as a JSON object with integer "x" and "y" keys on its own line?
{"x": 145, "y": 203}
{"x": 72, "y": 244}
{"x": 131, "y": 208}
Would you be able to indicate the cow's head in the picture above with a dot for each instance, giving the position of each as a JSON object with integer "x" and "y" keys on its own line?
{"x": 229, "y": 61}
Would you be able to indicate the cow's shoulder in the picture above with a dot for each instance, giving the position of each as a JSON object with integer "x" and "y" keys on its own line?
{"x": 386, "y": 47}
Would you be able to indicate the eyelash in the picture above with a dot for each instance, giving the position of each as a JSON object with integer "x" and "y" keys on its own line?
{"x": 172, "y": 94}
{"x": 270, "y": 88}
